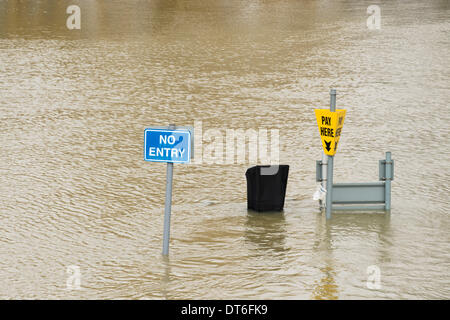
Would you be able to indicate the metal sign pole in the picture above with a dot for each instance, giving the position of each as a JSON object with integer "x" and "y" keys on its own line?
{"x": 330, "y": 163}
{"x": 168, "y": 204}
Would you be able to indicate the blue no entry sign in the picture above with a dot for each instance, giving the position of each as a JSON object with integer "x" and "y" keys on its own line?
{"x": 166, "y": 145}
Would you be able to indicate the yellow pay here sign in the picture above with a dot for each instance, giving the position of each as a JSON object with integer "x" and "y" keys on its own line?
{"x": 330, "y": 128}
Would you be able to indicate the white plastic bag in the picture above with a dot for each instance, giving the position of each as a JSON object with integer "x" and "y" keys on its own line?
{"x": 320, "y": 193}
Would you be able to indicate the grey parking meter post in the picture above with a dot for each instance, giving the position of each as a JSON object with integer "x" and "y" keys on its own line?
{"x": 386, "y": 173}
{"x": 389, "y": 177}
{"x": 329, "y": 198}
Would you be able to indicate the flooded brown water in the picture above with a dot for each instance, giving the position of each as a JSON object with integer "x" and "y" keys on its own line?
{"x": 75, "y": 190}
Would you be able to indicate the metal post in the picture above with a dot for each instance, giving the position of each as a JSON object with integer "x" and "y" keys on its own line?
{"x": 168, "y": 205}
{"x": 330, "y": 163}
{"x": 388, "y": 175}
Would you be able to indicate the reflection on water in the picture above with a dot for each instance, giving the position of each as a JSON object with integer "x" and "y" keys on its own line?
{"x": 267, "y": 231}
{"x": 326, "y": 288}
{"x": 75, "y": 190}
{"x": 165, "y": 290}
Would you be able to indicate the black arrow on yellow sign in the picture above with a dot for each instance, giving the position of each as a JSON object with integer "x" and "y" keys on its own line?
{"x": 327, "y": 145}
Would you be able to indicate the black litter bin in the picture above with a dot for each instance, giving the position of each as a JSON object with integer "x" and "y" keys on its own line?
{"x": 266, "y": 192}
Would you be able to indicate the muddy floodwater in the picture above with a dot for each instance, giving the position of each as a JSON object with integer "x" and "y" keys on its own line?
{"x": 81, "y": 212}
